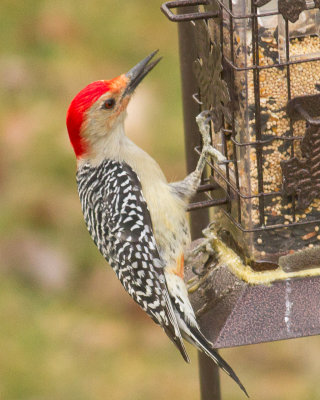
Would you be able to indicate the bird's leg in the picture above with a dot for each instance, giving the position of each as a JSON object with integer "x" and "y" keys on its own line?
{"x": 205, "y": 247}
{"x": 206, "y": 244}
{"x": 188, "y": 187}
{"x": 202, "y": 120}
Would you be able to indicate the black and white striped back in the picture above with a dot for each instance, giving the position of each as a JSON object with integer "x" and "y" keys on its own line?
{"x": 118, "y": 219}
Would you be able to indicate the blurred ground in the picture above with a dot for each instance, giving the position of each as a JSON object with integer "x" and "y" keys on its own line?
{"x": 67, "y": 329}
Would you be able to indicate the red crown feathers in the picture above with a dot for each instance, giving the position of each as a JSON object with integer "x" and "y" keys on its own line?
{"x": 77, "y": 109}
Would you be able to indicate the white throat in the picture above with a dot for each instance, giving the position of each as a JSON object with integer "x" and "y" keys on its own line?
{"x": 110, "y": 145}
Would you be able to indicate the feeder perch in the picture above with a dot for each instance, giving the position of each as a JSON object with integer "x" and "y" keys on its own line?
{"x": 255, "y": 64}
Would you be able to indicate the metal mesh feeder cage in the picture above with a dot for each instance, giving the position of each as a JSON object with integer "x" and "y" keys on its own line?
{"x": 256, "y": 66}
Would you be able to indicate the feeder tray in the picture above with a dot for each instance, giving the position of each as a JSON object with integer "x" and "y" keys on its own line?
{"x": 233, "y": 312}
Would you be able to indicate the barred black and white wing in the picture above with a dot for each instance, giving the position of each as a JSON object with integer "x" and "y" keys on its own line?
{"x": 117, "y": 217}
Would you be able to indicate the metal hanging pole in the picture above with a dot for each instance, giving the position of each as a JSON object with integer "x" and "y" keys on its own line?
{"x": 208, "y": 370}
{"x": 209, "y": 378}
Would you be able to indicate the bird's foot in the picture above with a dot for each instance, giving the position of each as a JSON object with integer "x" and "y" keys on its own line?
{"x": 204, "y": 248}
{"x": 194, "y": 283}
{"x": 203, "y": 120}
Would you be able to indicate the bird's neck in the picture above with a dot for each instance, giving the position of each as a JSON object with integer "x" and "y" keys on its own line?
{"x": 106, "y": 147}
{"x": 115, "y": 145}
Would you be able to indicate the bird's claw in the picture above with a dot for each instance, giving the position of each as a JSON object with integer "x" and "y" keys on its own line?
{"x": 194, "y": 283}
{"x": 203, "y": 120}
{"x": 204, "y": 115}
{"x": 195, "y": 272}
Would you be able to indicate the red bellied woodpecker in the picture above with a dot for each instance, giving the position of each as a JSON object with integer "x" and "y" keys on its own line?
{"x": 135, "y": 217}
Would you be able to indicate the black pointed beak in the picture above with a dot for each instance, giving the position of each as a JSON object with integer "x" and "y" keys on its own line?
{"x": 138, "y": 72}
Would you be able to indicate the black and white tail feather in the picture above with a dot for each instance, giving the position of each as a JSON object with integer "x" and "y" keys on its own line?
{"x": 196, "y": 338}
{"x": 191, "y": 333}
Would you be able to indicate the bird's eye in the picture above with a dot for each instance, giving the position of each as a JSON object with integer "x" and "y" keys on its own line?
{"x": 109, "y": 104}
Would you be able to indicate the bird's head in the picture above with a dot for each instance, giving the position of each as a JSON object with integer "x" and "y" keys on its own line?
{"x": 99, "y": 107}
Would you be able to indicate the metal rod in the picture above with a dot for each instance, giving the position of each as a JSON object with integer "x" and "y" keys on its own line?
{"x": 256, "y": 80}
{"x": 233, "y": 123}
{"x": 209, "y": 378}
{"x": 208, "y": 187}
{"x": 255, "y": 11}
{"x": 188, "y": 54}
{"x": 278, "y": 65}
{"x": 209, "y": 375}
{"x": 293, "y": 200}
{"x": 180, "y": 17}
{"x": 207, "y": 203}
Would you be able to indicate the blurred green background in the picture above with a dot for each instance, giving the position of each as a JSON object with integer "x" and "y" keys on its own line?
{"x": 67, "y": 328}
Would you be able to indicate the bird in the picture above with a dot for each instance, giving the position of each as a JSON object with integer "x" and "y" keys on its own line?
{"x": 134, "y": 216}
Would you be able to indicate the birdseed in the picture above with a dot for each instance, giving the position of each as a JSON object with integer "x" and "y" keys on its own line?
{"x": 279, "y": 209}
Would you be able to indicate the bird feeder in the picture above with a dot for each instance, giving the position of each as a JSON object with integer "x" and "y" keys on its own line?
{"x": 256, "y": 68}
